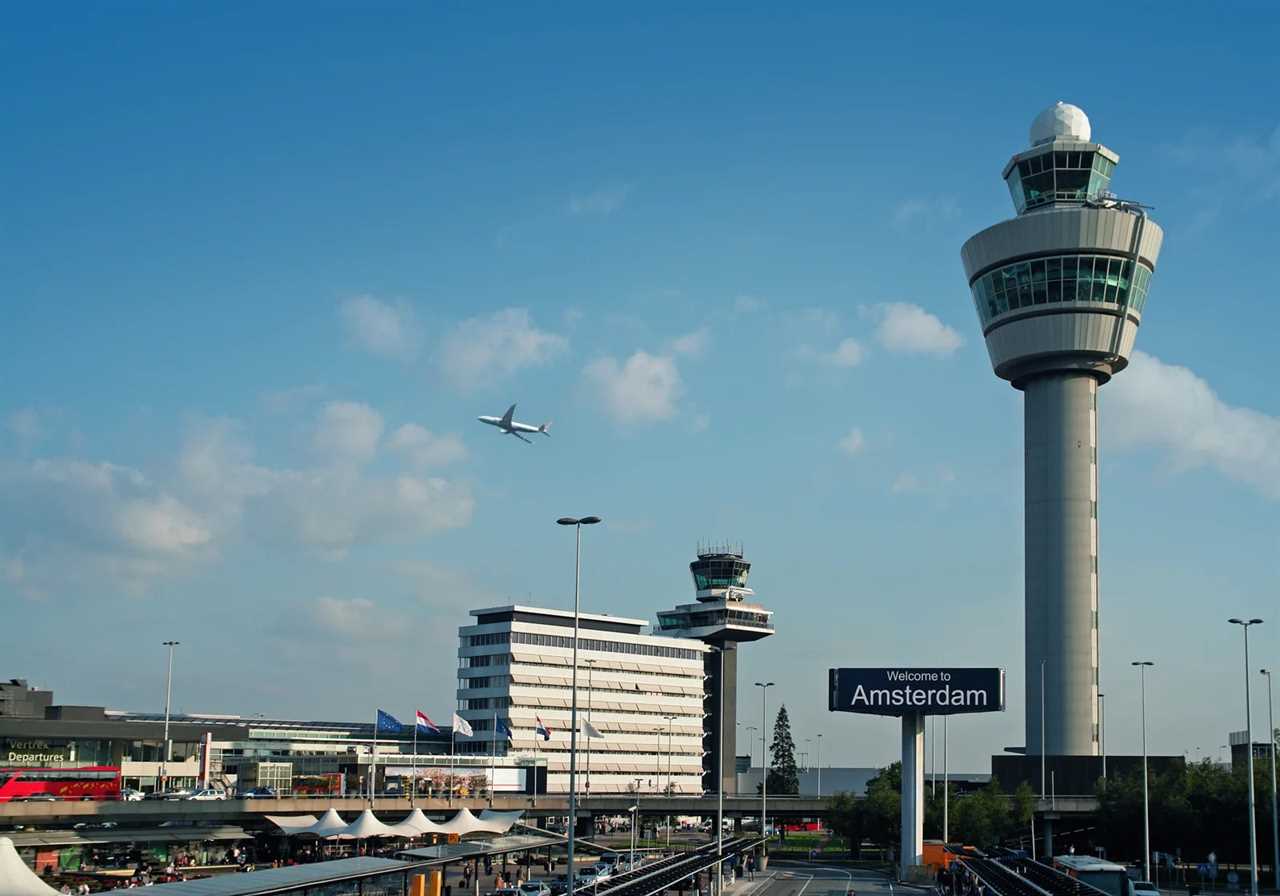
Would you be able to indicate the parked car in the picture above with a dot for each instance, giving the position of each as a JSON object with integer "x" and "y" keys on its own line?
{"x": 602, "y": 871}
{"x": 205, "y": 793}
{"x": 36, "y": 798}
{"x": 167, "y": 794}
{"x": 129, "y": 795}
{"x": 1145, "y": 888}
{"x": 258, "y": 793}
{"x": 534, "y": 888}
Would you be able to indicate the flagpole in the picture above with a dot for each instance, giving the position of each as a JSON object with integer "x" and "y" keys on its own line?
{"x": 413, "y": 764}
{"x": 453, "y": 750}
{"x": 493, "y": 760}
{"x": 373, "y": 760}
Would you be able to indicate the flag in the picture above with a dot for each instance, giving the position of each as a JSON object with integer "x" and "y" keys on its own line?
{"x": 590, "y": 730}
{"x": 504, "y": 728}
{"x": 388, "y": 723}
{"x": 542, "y": 729}
{"x": 462, "y": 726}
{"x": 425, "y": 724}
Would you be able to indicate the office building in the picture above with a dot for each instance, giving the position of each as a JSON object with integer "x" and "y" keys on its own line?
{"x": 643, "y": 693}
{"x": 722, "y": 616}
{"x": 1060, "y": 291}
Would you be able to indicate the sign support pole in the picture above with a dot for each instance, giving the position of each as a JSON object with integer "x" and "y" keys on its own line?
{"x": 912, "y": 851}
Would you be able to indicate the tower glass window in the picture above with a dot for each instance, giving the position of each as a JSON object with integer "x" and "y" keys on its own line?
{"x": 1066, "y": 278}
{"x": 1058, "y": 176}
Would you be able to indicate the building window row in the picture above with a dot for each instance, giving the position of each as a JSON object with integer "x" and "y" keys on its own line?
{"x": 1059, "y": 177}
{"x": 630, "y": 689}
{"x": 1102, "y": 279}
{"x": 523, "y": 664}
{"x": 541, "y": 640}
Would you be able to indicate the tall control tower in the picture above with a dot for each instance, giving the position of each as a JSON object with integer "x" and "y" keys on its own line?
{"x": 1060, "y": 291}
{"x": 722, "y": 617}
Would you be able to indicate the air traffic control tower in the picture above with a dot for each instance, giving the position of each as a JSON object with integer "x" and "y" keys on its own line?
{"x": 721, "y": 617}
{"x": 1060, "y": 291}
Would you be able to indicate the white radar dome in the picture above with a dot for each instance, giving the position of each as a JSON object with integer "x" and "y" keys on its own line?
{"x": 1061, "y": 120}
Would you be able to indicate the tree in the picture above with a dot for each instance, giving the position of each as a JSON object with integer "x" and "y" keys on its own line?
{"x": 784, "y": 778}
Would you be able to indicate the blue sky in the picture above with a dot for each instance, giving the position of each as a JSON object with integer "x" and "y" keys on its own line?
{"x": 262, "y": 267}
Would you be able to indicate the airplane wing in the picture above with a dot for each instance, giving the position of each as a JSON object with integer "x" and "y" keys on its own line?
{"x": 520, "y": 437}
{"x": 506, "y": 418}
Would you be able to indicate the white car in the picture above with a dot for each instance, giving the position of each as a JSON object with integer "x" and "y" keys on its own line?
{"x": 129, "y": 795}
{"x": 602, "y": 871}
{"x": 534, "y": 888}
{"x": 208, "y": 793}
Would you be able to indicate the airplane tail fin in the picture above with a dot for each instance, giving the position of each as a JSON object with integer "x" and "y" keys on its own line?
{"x": 545, "y": 428}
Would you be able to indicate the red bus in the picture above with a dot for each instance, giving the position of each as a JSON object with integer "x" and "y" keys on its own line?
{"x": 94, "y": 782}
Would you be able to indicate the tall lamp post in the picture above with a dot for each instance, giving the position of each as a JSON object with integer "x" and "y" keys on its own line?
{"x": 573, "y": 700}
{"x": 764, "y": 759}
{"x": 1275, "y": 822}
{"x": 1146, "y": 818}
{"x": 670, "y": 721}
{"x": 819, "y": 765}
{"x": 1248, "y": 741}
{"x": 168, "y": 690}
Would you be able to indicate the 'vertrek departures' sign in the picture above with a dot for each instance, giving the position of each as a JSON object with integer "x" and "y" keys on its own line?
{"x": 930, "y": 692}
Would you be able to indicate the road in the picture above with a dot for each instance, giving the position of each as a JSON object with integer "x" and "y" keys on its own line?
{"x": 803, "y": 879}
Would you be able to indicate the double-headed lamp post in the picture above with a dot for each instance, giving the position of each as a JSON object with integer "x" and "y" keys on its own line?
{"x": 573, "y": 700}
{"x": 168, "y": 690}
{"x": 1275, "y": 822}
{"x": 819, "y": 765}
{"x": 764, "y": 759}
{"x": 1146, "y": 818}
{"x": 1248, "y": 742}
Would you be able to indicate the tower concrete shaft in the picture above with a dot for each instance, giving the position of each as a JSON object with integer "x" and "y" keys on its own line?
{"x": 1060, "y": 290}
{"x": 1061, "y": 475}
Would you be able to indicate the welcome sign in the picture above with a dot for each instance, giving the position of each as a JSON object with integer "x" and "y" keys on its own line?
{"x": 898, "y": 691}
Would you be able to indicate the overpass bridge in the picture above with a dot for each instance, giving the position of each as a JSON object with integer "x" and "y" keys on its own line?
{"x": 242, "y": 811}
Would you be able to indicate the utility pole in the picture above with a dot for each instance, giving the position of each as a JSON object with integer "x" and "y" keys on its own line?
{"x": 167, "y": 749}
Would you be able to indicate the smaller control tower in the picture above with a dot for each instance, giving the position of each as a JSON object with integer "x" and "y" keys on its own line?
{"x": 721, "y": 617}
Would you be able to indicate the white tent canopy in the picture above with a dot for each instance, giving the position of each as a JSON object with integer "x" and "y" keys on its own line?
{"x": 330, "y": 824}
{"x": 367, "y": 825}
{"x": 496, "y": 822}
{"x": 16, "y": 879}
{"x": 292, "y": 824}
{"x": 489, "y": 822}
{"x": 415, "y": 824}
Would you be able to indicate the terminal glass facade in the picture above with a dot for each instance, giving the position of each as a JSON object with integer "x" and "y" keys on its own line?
{"x": 1100, "y": 279}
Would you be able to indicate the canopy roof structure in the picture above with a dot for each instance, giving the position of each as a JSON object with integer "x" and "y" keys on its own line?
{"x": 367, "y": 825}
{"x": 415, "y": 824}
{"x": 16, "y": 879}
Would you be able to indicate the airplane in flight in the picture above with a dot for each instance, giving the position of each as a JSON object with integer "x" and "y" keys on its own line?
{"x": 513, "y": 427}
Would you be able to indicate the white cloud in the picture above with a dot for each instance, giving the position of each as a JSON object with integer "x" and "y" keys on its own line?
{"x": 76, "y": 524}
{"x": 905, "y": 483}
{"x": 348, "y": 432}
{"x": 848, "y": 353}
{"x": 500, "y": 343}
{"x": 605, "y": 201}
{"x": 355, "y": 618}
{"x": 379, "y": 327}
{"x": 90, "y": 522}
{"x": 423, "y": 448}
{"x": 853, "y": 442}
{"x": 644, "y": 389}
{"x": 25, "y": 424}
{"x": 748, "y": 304}
{"x": 925, "y": 209}
{"x": 909, "y": 328}
{"x": 691, "y": 344}
{"x": 1168, "y": 407}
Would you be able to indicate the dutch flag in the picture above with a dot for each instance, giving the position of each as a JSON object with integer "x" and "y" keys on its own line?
{"x": 425, "y": 724}
{"x": 542, "y": 729}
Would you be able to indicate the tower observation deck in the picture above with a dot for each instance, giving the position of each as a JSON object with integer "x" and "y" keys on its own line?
{"x": 722, "y": 615}
{"x": 1060, "y": 291}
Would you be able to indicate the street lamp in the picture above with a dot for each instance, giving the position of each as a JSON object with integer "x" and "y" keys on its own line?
{"x": 1275, "y": 822}
{"x": 764, "y": 759}
{"x": 1248, "y": 741}
{"x": 670, "y": 720}
{"x": 168, "y": 690}
{"x": 819, "y": 765}
{"x": 1146, "y": 818}
{"x": 573, "y": 701}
